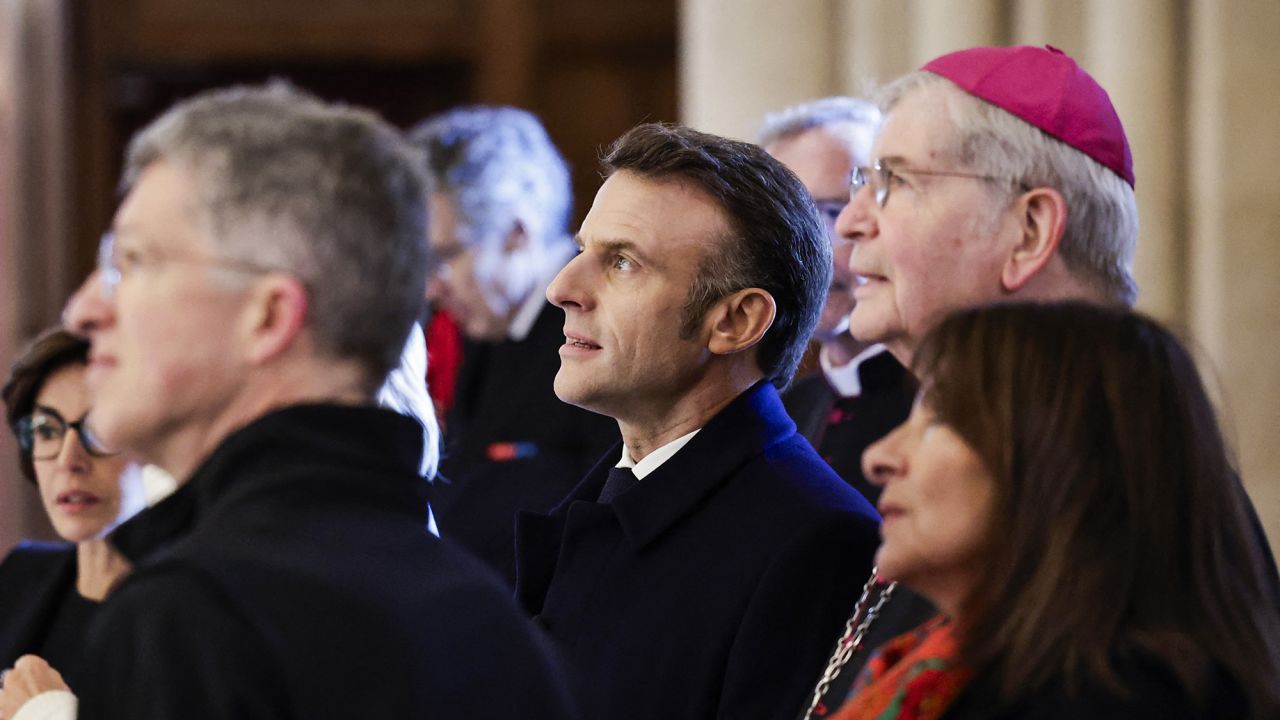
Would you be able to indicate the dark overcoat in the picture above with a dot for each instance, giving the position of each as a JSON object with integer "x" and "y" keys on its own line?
{"x": 305, "y": 585}
{"x": 36, "y": 580}
{"x": 713, "y": 589}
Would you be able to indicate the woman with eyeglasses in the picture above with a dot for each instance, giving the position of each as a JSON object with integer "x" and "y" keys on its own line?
{"x": 1063, "y": 494}
{"x": 49, "y": 592}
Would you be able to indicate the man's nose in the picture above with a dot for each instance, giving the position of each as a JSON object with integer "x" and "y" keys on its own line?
{"x": 856, "y": 221}
{"x": 568, "y": 287}
{"x": 89, "y": 308}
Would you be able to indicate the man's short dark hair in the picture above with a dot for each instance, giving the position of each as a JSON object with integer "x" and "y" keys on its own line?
{"x": 776, "y": 240}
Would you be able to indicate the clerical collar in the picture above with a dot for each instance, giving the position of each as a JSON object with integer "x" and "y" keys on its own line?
{"x": 845, "y": 379}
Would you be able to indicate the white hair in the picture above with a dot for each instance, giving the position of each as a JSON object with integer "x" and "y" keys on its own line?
{"x": 405, "y": 391}
{"x": 498, "y": 166}
{"x": 827, "y": 113}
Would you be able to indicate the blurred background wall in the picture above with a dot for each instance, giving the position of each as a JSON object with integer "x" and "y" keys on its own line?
{"x": 1194, "y": 81}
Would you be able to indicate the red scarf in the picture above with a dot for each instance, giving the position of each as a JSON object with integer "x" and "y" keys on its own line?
{"x": 914, "y": 676}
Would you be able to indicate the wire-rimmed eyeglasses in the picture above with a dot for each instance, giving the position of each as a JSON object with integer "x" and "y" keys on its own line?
{"x": 114, "y": 263}
{"x": 882, "y": 178}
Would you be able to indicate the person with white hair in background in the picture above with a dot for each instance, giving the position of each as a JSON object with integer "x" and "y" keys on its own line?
{"x": 855, "y": 392}
{"x": 500, "y": 200}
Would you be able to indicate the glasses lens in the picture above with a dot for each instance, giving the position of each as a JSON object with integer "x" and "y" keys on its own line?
{"x": 107, "y": 265}
{"x": 884, "y": 177}
{"x": 857, "y": 180}
{"x": 41, "y": 435}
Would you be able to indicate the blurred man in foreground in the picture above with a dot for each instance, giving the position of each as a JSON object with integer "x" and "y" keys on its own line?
{"x": 259, "y": 282}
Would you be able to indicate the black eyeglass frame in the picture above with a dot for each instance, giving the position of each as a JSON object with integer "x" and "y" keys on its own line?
{"x": 25, "y": 429}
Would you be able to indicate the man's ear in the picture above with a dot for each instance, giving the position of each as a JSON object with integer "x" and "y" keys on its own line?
{"x": 1041, "y": 214}
{"x": 274, "y": 316}
{"x": 740, "y": 320}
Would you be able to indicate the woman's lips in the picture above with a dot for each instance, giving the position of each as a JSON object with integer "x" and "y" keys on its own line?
{"x": 75, "y": 501}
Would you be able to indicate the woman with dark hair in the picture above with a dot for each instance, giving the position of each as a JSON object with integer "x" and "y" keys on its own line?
{"x": 49, "y": 592}
{"x": 1063, "y": 494}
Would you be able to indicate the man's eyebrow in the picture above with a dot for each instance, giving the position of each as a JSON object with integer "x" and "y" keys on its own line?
{"x": 891, "y": 160}
{"x": 613, "y": 245}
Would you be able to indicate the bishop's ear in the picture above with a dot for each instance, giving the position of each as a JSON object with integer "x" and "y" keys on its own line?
{"x": 1042, "y": 218}
{"x": 740, "y": 320}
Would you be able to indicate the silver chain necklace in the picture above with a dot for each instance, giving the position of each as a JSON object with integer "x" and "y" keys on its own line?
{"x": 855, "y": 629}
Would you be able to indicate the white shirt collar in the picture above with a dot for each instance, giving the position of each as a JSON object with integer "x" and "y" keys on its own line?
{"x": 845, "y": 379}
{"x": 654, "y": 459}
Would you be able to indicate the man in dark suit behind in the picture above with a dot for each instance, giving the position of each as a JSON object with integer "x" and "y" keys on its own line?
{"x": 853, "y": 393}
{"x": 700, "y": 569}
{"x": 500, "y": 202}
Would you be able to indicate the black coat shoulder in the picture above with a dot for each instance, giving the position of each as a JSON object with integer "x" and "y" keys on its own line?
{"x": 35, "y": 579}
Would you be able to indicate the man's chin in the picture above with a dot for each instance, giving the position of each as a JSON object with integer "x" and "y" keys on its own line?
{"x": 571, "y": 392}
{"x": 866, "y": 329}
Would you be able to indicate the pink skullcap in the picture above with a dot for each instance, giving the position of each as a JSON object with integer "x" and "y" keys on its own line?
{"x": 1048, "y": 89}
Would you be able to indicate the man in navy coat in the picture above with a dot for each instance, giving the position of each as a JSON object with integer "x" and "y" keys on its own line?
{"x": 703, "y": 567}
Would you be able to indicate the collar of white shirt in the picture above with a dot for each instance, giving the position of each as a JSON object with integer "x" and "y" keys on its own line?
{"x": 654, "y": 459}
{"x": 844, "y": 379}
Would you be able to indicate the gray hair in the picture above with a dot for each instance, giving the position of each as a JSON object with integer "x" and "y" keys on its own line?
{"x": 328, "y": 193}
{"x": 1101, "y": 230}
{"x": 499, "y": 167}
{"x": 822, "y": 113}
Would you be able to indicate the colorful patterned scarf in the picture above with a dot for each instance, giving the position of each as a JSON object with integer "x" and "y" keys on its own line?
{"x": 912, "y": 677}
